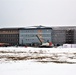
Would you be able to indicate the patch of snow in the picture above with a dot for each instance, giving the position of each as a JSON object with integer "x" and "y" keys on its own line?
{"x": 29, "y": 67}
{"x": 33, "y": 68}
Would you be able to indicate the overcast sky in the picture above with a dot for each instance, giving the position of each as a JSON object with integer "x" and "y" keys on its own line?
{"x": 37, "y": 12}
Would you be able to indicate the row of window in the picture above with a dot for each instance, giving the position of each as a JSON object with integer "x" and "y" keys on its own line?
{"x": 29, "y": 39}
{"x": 34, "y": 30}
{"x": 8, "y": 31}
{"x": 34, "y": 39}
{"x": 47, "y": 35}
{"x": 63, "y": 34}
{"x": 8, "y": 39}
{"x": 9, "y": 35}
{"x": 59, "y": 31}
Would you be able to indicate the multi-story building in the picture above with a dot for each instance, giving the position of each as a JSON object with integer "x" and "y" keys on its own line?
{"x": 38, "y": 34}
{"x": 58, "y": 37}
{"x": 35, "y": 35}
{"x": 64, "y": 35}
{"x": 9, "y": 35}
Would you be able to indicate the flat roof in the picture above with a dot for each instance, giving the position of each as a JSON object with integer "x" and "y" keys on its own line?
{"x": 27, "y": 28}
{"x": 41, "y": 27}
{"x": 64, "y": 28}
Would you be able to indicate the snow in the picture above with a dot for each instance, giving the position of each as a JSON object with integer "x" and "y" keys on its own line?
{"x": 56, "y": 50}
{"x": 32, "y": 66}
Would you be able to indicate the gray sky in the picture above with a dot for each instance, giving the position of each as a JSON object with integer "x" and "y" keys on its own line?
{"x": 37, "y": 12}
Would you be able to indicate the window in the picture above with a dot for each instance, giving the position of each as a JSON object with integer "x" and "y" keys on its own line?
{"x": 39, "y": 31}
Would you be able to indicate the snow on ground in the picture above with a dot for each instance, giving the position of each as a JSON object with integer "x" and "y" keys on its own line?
{"x": 37, "y": 49}
{"x": 37, "y": 61}
{"x": 34, "y": 68}
{"x": 63, "y": 55}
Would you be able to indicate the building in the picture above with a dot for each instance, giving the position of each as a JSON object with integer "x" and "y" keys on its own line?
{"x": 35, "y": 35}
{"x": 64, "y": 35}
{"x": 9, "y": 35}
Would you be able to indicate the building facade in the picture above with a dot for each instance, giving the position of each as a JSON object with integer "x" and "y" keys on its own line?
{"x": 37, "y": 35}
{"x": 9, "y": 35}
{"x": 64, "y": 35}
{"x": 58, "y": 37}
